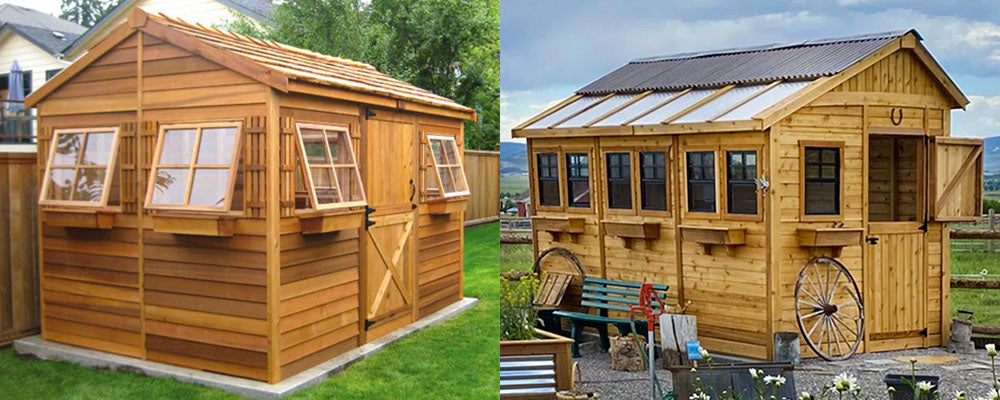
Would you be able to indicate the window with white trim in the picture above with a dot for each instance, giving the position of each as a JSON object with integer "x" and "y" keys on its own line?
{"x": 445, "y": 161}
{"x": 80, "y": 167}
{"x": 194, "y": 167}
{"x": 331, "y": 178}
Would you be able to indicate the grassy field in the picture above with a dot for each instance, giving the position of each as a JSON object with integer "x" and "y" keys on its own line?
{"x": 513, "y": 183}
{"x": 456, "y": 359}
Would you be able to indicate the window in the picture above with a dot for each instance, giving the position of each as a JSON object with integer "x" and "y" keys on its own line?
{"x": 548, "y": 179}
{"x": 194, "y": 167}
{"x": 822, "y": 180}
{"x": 701, "y": 181}
{"x": 450, "y": 173}
{"x": 653, "y": 180}
{"x": 332, "y": 179}
{"x": 51, "y": 73}
{"x": 79, "y": 166}
{"x": 619, "y": 180}
{"x": 741, "y": 189}
{"x": 578, "y": 179}
{"x": 25, "y": 79}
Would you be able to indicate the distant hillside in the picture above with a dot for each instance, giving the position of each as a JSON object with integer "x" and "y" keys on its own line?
{"x": 513, "y": 158}
{"x": 991, "y": 154}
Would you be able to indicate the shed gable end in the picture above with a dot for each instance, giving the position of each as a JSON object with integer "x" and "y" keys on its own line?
{"x": 107, "y": 85}
{"x": 900, "y": 72}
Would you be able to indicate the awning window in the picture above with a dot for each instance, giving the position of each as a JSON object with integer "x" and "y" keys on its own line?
{"x": 80, "y": 167}
{"x": 331, "y": 174}
{"x": 450, "y": 174}
{"x": 194, "y": 167}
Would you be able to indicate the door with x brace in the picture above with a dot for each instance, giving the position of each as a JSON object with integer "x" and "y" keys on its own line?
{"x": 389, "y": 255}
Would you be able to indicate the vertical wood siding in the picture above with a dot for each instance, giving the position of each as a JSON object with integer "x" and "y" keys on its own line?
{"x": 19, "y": 308}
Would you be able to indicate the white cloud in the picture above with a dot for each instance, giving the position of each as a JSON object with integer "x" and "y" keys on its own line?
{"x": 981, "y": 117}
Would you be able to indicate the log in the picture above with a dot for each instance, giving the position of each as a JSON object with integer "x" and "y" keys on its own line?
{"x": 515, "y": 239}
{"x": 986, "y": 330}
{"x": 975, "y": 284}
{"x": 974, "y": 235}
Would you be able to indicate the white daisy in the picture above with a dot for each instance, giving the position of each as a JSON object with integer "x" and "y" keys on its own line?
{"x": 700, "y": 396}
{"x": 924, "y": 386}
{"x": 845, "y": 382}
{"x": 774, "y": 380}
{"x": 991, "y": 350}
{"x": 755, "y": 373}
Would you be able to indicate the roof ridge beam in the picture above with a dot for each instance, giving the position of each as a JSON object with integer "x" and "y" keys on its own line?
{"x": 658, "y": 106}
{"x": 698, "y": 104}
{"x": 740, "y": 103}
{"x": 617, "y": 108}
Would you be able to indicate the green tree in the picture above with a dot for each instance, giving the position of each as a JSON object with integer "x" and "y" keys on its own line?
{"x": 450, "y": 47}
{"x": 85, "y": 12}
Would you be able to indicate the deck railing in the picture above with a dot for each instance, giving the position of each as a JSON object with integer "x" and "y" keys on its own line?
{"x": 16, "y": 127}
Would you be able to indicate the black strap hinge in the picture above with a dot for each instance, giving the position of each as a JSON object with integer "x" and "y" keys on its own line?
{"x": 369, "y": 113}
{"x": 368, "y": 324}
{"x": 924, "y": 227}
{"x": 368, "y": 214}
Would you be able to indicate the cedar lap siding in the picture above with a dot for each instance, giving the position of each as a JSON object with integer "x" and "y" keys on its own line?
{"x": 880, "y": 100}
{"x": 262, "y": 274}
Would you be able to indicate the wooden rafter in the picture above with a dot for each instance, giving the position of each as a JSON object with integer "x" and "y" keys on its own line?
{"x": 658, "y": 106}
{"x": 698, "y": 104}
{"x": 745, "y": 100}
{"x": 618, "y": 108}
{"x": 582, "y": 110}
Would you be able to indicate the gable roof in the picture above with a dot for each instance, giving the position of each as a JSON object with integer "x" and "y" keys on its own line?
{"x": 795, "y": 61}
{"x": 724, "y": 90}
{"x": 52, "y": 41}
{"x": 274, "y": 64}
{"x": 17, "y": 15}
{"x": 259, "y": 10}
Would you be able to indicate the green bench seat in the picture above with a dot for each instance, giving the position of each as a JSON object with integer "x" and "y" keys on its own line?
{"x": 604, "y": 295}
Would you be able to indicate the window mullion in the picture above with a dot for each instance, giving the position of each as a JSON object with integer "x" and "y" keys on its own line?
{"x": 333, "y": 171}
{"x": 76, "y": 168}
{"x": 194, "y": 160}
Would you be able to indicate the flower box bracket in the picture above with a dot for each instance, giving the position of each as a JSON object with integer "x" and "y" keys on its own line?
{"x": 557, "y": 226}
{"x": 315, "y": 223}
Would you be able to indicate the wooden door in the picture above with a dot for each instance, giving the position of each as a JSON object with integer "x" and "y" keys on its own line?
{"x": 896, "y": 279}
{"x": 389, "y": 252}
{"x": 957, "y": 179}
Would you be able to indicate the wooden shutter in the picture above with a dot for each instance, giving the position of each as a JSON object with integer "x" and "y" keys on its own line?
{"x": 957, "y": 179}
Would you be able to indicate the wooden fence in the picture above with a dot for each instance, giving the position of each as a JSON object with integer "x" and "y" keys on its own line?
{"x": 482, "y": 170}
{"x": 19, "y": 312}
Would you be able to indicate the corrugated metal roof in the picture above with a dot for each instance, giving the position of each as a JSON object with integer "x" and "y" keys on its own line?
{"x": 752, "y": 65}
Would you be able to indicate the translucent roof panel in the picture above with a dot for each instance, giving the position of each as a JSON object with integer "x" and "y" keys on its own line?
{"x": 718, "y": 104}
{"x": 561, "y": 113}
{"x": 673, "y": 107}
{"x": 635, "y": 109}
{"x": 597, "y": 111}
{"x": 765, "y": 100}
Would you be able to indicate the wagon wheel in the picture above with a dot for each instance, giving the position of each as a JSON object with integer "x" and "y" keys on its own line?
{"x": 829, "y": 309}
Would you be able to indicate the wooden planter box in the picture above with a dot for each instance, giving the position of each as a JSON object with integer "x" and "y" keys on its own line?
{"x": 195, "y": 224}
{"x": 632, "y": 230}
{"x": 709, "y": 236}
{"x": 547, "y": 359}
{"x": 834, "y": 238}
{"x": 559, "y": 225}
{"x": 80, "y": 218}
{"x": 447, "y": 206}
{"x": 320, "y": 223}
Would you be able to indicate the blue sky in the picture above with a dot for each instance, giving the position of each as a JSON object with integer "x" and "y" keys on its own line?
{"x": 550, "y": 48}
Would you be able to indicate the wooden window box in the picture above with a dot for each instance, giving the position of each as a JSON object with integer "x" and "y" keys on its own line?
{"x": 97, "y": 219}
{"x": 572, "y": 226}
{"x": 323, "y": 223}
{"x": 446, "y": 206}
{"x": 709, "y": 236}
{"x": 632, "y": 230}
{"x": 199, "y": 225}
{"x": 834, "y": 238}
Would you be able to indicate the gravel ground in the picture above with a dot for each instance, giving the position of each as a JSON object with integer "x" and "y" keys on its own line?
{"x": 968, "y": 372}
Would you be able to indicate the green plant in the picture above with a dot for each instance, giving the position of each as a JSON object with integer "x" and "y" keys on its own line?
{"x": 517, "y": 308}
{"x": 990, "y": 204}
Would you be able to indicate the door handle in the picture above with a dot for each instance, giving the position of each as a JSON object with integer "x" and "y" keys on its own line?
{"x": 413, "y": 190}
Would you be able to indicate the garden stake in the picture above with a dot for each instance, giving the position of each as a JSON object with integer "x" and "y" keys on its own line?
{"x": 647, "y": 298}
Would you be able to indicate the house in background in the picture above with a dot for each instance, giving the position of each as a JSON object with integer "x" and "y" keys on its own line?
{"x": 36, "y": 41}
{"x": 43, "y": 44}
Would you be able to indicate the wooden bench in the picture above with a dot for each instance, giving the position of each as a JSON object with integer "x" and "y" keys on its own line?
{"x": 605, "y": 295}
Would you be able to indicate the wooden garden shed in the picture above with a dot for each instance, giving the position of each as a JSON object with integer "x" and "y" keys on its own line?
{"x": 805, "y": 187}
{"x": 237, "y": 205}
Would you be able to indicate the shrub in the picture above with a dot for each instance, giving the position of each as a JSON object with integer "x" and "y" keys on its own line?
{"x": 517, "y": 308}
{"x": 991, "y": 203}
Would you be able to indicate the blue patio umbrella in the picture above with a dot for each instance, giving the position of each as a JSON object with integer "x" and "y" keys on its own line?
{"x": 15, "y": 89}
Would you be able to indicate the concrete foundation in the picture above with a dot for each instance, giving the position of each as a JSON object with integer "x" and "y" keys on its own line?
{"x": 47, "y": 350}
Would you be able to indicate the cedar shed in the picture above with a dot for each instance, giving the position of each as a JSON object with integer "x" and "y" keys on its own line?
{"x": 800, "y": 188}
{"x": 231, "y": 204}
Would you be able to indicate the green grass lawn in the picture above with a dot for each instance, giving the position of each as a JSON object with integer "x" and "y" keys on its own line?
{"x": 985, "y": 304}
{"x": 456, "y": 359}
{"x": 513, "y": 183}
